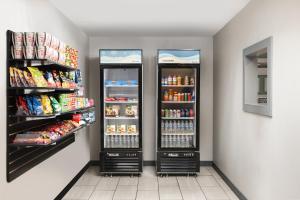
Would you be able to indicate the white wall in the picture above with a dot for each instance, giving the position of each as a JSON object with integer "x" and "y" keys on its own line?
{"x": 47, "y": 179}
{"x": 260, "y": 155}
{"x": 150, "y": 46}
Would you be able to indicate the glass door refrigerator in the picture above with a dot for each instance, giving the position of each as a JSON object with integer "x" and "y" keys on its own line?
{"x": 178, "y": 82}
{"x": 121, "y": 92}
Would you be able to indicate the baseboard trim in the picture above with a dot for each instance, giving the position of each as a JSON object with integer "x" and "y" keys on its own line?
{"x": 206, "y": 163}
{"x": 72, "y": 182}
{"x": 236, "y": 191}
{"x": 95, "y": 163}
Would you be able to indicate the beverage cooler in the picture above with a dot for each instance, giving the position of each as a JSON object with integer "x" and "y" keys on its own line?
{"x": 178, "y": 82}
{"x": 121, "y": 92}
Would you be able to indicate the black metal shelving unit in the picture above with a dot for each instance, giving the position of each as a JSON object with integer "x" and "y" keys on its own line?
{"x": 115, "y": 158}
{"x": 21, "y": 158}
{"x": 177, "y": 148}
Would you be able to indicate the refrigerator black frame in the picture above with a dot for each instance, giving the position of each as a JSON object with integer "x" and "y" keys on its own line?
{"x": 138, "y": 66}
{"x": 196, "y": 66}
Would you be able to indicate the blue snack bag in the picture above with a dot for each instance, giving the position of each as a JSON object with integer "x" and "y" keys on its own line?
{"x": 37, "y": 105}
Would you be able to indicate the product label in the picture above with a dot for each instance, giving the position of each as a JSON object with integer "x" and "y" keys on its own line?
{"x": 120, "y": 56}
{"x": 179, "y": 56}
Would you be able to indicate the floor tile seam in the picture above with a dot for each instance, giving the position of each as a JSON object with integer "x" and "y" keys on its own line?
{"x": 179, "y": 188}
{"x": 222, "y": 187}
{"x": 116, "y": 188}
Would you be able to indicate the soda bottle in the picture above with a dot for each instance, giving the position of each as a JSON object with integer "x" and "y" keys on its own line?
{"x": 174, "y": 80}
{"x": 170, "y": 95}
{"x": 162, "y": 113}
{"x": 182, "y": 113}
{"x": 187, "y": 112}
{"x": 192, "y": 81}
{"x": 191, "y": 113}
{"x": 178, "y": 113}
{"x": 178, "y": 80}
{"x": 189, "y": 97}
{"x": 193, "y": 96}
{"x": 163, "y": 81}
{"x": 186, "y": 80}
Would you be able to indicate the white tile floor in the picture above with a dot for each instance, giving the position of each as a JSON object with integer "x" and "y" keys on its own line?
{"x": 207, "y": 186}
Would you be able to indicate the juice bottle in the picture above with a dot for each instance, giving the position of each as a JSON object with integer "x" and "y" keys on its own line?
{"x": 170, "y": 95}
{"x": 166, "y": 96}
{"x": 170, "y": 80}
{"x": 186, "y": 80}
{"x": 175, "y": 97}
{"x": 192, "y": 81}
{"x": 178, "y": 80}
{"x": 189, "y": 97}
{"x": 174, "y": 80}
{"x": 191, "y": 114}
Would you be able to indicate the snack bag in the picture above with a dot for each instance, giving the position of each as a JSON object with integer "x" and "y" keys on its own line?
{"x": 29, "y": 79}
{"x": 12, "y": 79}
{"x": 50, "y": 80}
{"x": 38, "y": 77}
{"x": 131, "y": 129}
{"x": 29, "y": 104}
{"x": 131, "y": 110}
{"x": 55, "y": 105}
{"x": 22, "y": 106}
{"x": 46, "y": 103}
{"x": 37, "y": 105}
{"x": 121, "y": 129}
{"x": 64, "y": 80}
{"x": 22, "y": 78}
{"x": 110, "y": 129}
{"x": 17, "y": 78}
{"x": 56, "y": 78}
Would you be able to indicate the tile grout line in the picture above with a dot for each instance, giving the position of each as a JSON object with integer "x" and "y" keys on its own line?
{"x": 116, "y": 188}
{"x": 158, "y": 187}
{"x": 179, "y": 188}
{"x": 222, "y": 188}
{"x": 137, "y": 188}
{"x": 201, "y": 189}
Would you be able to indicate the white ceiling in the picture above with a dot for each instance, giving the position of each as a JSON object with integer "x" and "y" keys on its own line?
{"x": 150, "y": 17}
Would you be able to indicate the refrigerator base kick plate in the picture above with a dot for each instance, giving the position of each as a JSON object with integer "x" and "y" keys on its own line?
{"x": 121, "y": 163}
{"x": 179, "y": 163}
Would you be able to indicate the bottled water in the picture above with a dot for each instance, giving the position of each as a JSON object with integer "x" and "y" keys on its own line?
{"x": 178, "y": 127}
{"x": 163, "y": 126}
{"x": 182, "y": 126}
{"x": 136, "y": 141}
{"x": 167, "y": 127}
{"x": 177, "y": 140}
{"x": 168, "y": 141}
{"x": 191, "y": 126}
{"x": 131, "y": 141}
{"x": 181, "y": 141}
{"x": 186, "y": 126}
{"x": 190, "y": 141}
{"x": 174, "y": 126}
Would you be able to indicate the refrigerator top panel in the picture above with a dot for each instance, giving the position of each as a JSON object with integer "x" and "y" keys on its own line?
{"x": 178, "y": 56}
{"x": 120, "y": 56}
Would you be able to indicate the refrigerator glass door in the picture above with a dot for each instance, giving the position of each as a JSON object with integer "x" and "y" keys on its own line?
{"x": 178, "y": 107}
{"x": 121, "y": 101}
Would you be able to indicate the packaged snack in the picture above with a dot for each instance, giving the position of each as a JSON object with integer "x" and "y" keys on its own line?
{"x": 78, "y": 78}
{"x": 131, "y": 110}
{"x": 22, "y": 108}
{"x": 50, "y": 80}
{"x": 12, "y": 79}
{"x": 55, "y": 105}
{"x": 56, "y": 78}
{"x": 64, "y": 80}
{"x": 32, "y": 138}
{"x": 38, "y": 77}
{"x": 112, "y": 111}
{"x": 131, "y": 129}
{"x": 17, "y": 78}
{"x": 22, "y": 78}
{"x": 29, "y": 104}
{"x": 37, "y": 105}
{"x": 110, "y": 129}
{"x": 121, "y": 129}
{"x": 46, "y": 103}
{"x": 29, "y": 79}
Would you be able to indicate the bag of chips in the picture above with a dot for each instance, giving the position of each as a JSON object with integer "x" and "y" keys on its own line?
{"x": 22, "y": 108}
{"x": 50, "y": 80}
{"x": 55, "y": 105}
{"x": 38, "y": 77}
{"x": 56, "y": 78}
{"x": 12, "y": 79}
{"x": 29, "y": 79}
{"x": 37, "y": 105}
{"x": 46, "y": 103}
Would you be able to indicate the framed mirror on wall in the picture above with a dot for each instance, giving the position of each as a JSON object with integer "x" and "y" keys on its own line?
{"x": 258, "y": 78}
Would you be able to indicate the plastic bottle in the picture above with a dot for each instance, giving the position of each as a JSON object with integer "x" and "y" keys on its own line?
{"x": 193, "y": 96}
{"x": 166, "y": 95}
{"x": 163, "y": 81}
{"x": 178, "y": 113}
{"x": 175, "y": 126}
{"x": 174, "y": 80}
{"x": 186, "y": 126}
{"x": 191, "y": 126}
{"x": 136, "y": 141}
{"x": 178, "y": 127}
{"x": 170, "y": 81}
{"x": 163, "y": 126}
{"x": 182, "y": 127}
